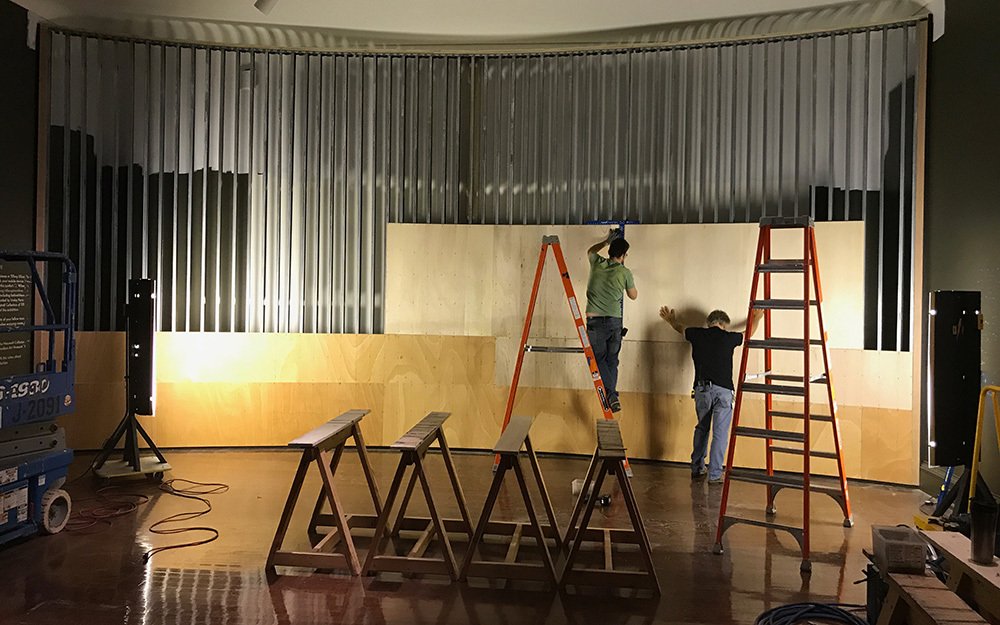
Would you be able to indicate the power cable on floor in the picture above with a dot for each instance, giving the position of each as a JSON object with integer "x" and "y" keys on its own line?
{"x": 794, "y": 613}
{"x": 112, "y": 503}
{"x": 196, "y": 491}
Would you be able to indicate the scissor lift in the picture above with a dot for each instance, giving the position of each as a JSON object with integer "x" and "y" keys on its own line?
{"x": 33, "y": 455}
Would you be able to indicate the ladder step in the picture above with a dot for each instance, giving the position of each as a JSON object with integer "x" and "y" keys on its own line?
{"x": 774, "y": 389}
{"x": 799, "y": 415}
{"x": 782, "y": 266}
{"x": 778, "y": 435}
{"x": 785, "y": 479}
{"x": 832, "y": 455}
{"x": 553, "y": 349}
{"x": 732, "y": 520}
{"x": 778, "y": 377}
{"x": 780, "y": 304}
{"x": 786, "y": 344}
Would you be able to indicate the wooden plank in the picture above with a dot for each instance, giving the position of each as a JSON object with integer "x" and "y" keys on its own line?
{"x": 484, "y": 516}
{"x": 331, "y": 433}
{"x": 584, "y": 521}
{"x": 515, "y": 544}
{"x": 401, "y": 514}
{"x": 404, "y": 564}
{"x": 456, "y": 486}
{"x": 328, "y": 542}
{"x": 286, "y": 513}
{"x": 618, "y": 536}
{"x": 542, "y": 491}
{"x": 449, "y": 556}
{"x": 326, "y": 472}
{"x": 421, "y": 435}
{"x": 421, "y": 545}
{"x": 929, "y": 601}
{"x": 958, "y": 549}
{"x": 514, "y": 434}
{"x": 366, "y": 467}
{"x": 600, "y": 577}
{"x": 580, "y": 502}
{"x": 608, "y": 564}
{"x": 452, "y": 526}
{"x": 645, "y": 548}
{"x": 539, "y": 532}
{"x": 609, "y": 439}
{"x": 383, "y": 518}
{"x": 309, "y": 560}
{"x": 508, "y": 570}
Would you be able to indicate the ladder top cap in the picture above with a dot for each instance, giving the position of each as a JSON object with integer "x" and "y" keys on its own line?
{"x": 802, "y": 221}
{"x": 550, "y": 238}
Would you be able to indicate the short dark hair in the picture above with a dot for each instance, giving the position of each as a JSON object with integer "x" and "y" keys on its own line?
{"x": 618, "y": 248}
{"x": 718, "y": 316}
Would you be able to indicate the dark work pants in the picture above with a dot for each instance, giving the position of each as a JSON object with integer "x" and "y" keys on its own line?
{"x": 605, "y": 336}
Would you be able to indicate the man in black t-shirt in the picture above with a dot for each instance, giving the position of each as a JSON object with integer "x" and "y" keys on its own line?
{"x": 712, "y": 351}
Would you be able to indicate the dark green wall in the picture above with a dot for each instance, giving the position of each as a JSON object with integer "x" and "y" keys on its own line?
{"x": 18, "y": 126}
{"x": 962, "y": 214}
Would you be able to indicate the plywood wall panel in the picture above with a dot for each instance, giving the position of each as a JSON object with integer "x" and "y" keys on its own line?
{"x": 455, "y": 307}
{"x": 447, "y": 287}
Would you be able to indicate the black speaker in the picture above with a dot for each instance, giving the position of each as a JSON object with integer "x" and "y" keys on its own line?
{"x": 139, "y": 336}
{"x": 953, "y": 372}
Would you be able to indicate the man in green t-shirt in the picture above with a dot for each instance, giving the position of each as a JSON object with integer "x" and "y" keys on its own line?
{"x": 609, "y": 277}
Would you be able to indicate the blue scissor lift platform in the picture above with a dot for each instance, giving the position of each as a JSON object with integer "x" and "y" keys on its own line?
{"x": 33, "y": 455}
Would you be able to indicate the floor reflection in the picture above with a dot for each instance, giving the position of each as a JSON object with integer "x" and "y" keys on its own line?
{"x": 98, "y": 578}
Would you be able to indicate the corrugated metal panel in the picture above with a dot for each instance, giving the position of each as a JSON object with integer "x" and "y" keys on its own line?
{"x": 256, "y": 185}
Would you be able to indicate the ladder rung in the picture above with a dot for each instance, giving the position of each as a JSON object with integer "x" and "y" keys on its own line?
{"x": 780, "y": 304}
{"x": 778, "y": 435}
{"x": 782, "y": 266}
{"x": 799, "y": 415}
{"x": 787, "y": 344}
{"x": 832, "y": 455}
{"x": 553, "y": 349}
{"x": 774, "y": 389}
{"x": 785, "y": 479}
{"x": 732, "y": 520}
{"x": 778, "y": 377}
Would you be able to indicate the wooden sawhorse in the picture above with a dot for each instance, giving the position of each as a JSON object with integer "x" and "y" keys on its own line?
{"x": 924, "y": 600}
{"x": 414, "y": 445}
{"x": 325, "y": 446}
{"x": 977, "y": 584}
{"x": 509, "y": 448}
{"x": 610, "y": 456}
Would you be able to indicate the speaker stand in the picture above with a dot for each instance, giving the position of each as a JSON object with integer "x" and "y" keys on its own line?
{"x": 131, "y": 463}
{"x": 960, "y": 491}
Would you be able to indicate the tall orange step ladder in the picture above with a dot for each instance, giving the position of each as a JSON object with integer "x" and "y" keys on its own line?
{"x": 790, "y": 442}
{"x": 581, "y": 329}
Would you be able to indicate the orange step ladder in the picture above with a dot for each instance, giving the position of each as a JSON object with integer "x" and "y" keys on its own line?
{"x": 788, "y": 442}
{"x": 581, "y": 328}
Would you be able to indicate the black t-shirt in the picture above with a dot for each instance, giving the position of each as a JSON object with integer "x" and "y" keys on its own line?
{"x": 712, "y": 351}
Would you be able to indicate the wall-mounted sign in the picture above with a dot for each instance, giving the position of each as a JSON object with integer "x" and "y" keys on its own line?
{"x": 15, "y": 311}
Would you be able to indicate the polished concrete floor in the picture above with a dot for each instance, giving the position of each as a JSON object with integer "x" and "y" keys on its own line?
{"x": 98, "y": 575}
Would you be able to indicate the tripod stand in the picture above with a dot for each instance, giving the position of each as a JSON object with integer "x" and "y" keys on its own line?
{"x": 140, "y": 386}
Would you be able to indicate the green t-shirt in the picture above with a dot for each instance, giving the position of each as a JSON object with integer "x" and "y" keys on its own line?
{"x": 604, "y": 287}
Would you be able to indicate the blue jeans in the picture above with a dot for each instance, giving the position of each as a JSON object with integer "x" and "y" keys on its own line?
{"x": 605, "y": 336}
{"x": 714, "y": 405}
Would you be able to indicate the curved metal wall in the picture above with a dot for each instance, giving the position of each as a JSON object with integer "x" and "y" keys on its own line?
{"x": 256, "y": 185}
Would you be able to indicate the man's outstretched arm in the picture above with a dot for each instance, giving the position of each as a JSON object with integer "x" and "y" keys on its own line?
{"x": 754, "y": 321}
{"x": 596, "y": 247}
{"x": 613, "y": 234}
{"x": 670, "y": 316}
